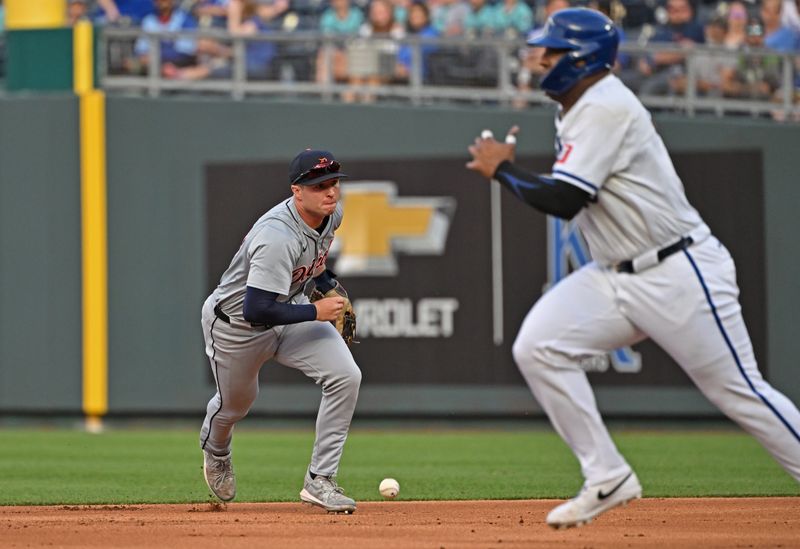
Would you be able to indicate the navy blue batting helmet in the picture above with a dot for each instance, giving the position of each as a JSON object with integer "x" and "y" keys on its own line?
{"x": 592, "y": 41}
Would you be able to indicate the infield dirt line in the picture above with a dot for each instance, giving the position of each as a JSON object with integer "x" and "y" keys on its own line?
{"x": 651, "y": 522}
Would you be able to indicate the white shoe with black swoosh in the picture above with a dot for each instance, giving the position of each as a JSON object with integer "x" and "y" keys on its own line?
{"x": 595, "y": 499}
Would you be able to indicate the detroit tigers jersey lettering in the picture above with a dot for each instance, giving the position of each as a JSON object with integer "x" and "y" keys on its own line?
{"x": 279, "y": 254}
{"x": 607, "y": 141}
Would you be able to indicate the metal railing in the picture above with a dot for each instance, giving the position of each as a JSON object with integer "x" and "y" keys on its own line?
{"x": 480, "y": 70}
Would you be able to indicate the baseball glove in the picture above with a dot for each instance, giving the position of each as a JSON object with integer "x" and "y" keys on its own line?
{"x": 345, "y": 323}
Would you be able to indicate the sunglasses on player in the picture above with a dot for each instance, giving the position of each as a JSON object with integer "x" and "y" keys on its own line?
{"x": 326, "y": 166}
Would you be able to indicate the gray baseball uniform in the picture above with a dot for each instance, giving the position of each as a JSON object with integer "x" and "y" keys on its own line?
{"x": 280, "y": 254}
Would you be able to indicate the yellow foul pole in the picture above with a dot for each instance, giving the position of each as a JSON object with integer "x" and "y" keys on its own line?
{"x": 94, "y": 245}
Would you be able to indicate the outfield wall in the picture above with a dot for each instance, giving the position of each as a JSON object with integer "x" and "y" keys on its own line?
{"x": 186, "y": 177}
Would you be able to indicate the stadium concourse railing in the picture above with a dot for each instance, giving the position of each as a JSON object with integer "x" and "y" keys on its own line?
{"x": 473, "y": 70}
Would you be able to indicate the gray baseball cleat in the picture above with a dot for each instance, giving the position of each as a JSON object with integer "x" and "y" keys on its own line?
{"x": 218, "y": 471}
{"x": 594, "y": 499}
{"x": 324, "y": 492}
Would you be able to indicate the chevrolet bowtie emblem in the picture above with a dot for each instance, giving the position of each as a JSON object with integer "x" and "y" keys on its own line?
{"x": 378, "y": 224}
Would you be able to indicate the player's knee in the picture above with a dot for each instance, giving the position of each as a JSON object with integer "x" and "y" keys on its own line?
{"x": 348, "y": 380}
{"x": 527, "y": 352}
{"x": 354, "y": 379}
{"x": 228, "y": 417}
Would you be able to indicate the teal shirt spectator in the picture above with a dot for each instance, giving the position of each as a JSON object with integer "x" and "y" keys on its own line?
{"x": 481, "y": 21}
{"x": 330, "y": 24}
{"x": 400, "y": 15}
{"x": 519, "y": 18}
{"x": 405, "y": 52}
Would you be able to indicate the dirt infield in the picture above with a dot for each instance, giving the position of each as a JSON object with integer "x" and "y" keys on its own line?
{"x": 701, "y": 522}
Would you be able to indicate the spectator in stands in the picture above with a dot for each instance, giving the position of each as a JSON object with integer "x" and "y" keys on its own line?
{"x": 530, "y": 68}
{"x": 790, "y": 15}
{"x": 77, "y": 10}
{"x": 614, "y": 10}
{"x": 711, "y": 68}
{"x": 777, "y": 36}
{"x": 548, "y": 9}
{"x": 449, "y": 16}
{"x": 342, "y": 18}
{"x": 480, "y": 19}
{"x": 246, "y": 18}
{"x": 250, "y": 18}
{"x": 372, "y": 62}
{"x": 125, "y": 12}
{"x": 211, "y": 13}
{"x": 512, "y": 18}
{"x": 268, "y": 11}
{"x": 401, "y": 9}
{"x": 380, "y": 20}
{"x": 179, "y": 53}
{"x": 680, "y": 29}
{"x": 756, "y": 76}
{"x": 737, "y": 25}
{"x": 419, "y": 25}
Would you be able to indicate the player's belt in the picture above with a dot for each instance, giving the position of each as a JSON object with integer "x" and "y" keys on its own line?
{"x": 220, "y": 314}
{"x": 648, "y": 260}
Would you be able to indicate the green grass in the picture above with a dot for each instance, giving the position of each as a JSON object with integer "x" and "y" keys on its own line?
{"x": 39, "y": 466}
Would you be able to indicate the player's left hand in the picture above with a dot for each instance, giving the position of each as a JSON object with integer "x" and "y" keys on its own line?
{"x": 487, "y": 154}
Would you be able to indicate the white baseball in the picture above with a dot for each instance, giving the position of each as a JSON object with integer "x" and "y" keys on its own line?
{"x": 487, "y": 134}
{"x": 389, "y": 488}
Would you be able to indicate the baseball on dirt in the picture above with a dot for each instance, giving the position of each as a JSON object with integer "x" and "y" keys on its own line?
{"x": 389, "y": 488}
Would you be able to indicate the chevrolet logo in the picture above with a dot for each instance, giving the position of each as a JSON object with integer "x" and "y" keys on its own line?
{"x": 378, "y": 224}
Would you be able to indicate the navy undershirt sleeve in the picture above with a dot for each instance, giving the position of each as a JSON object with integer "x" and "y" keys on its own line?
{"x": 260, "y": 307}
{"x": 547, "y": 194}
{"x": 325, "y": 282}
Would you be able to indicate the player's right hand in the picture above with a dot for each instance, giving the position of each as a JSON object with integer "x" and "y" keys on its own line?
{"x": 488, "y": 154}
{"x": 329, "y": 308}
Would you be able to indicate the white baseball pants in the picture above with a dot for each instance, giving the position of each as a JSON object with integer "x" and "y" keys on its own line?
{"x": 688, "y": 304}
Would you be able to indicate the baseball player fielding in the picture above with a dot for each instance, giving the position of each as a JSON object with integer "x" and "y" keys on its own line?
{"x": 261, "y": 309}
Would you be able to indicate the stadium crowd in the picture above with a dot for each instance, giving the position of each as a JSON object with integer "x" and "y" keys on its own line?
{"x": 771, "y": 27}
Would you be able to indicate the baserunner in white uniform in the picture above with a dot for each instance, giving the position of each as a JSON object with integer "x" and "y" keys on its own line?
{"x": 261, "y": 311}
{"x": 657, "y": 270}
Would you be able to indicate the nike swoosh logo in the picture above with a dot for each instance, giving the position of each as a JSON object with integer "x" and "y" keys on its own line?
{"x": 601, "y": 495}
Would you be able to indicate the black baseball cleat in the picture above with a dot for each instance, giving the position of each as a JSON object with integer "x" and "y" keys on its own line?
{"x": 595, "y": 499}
